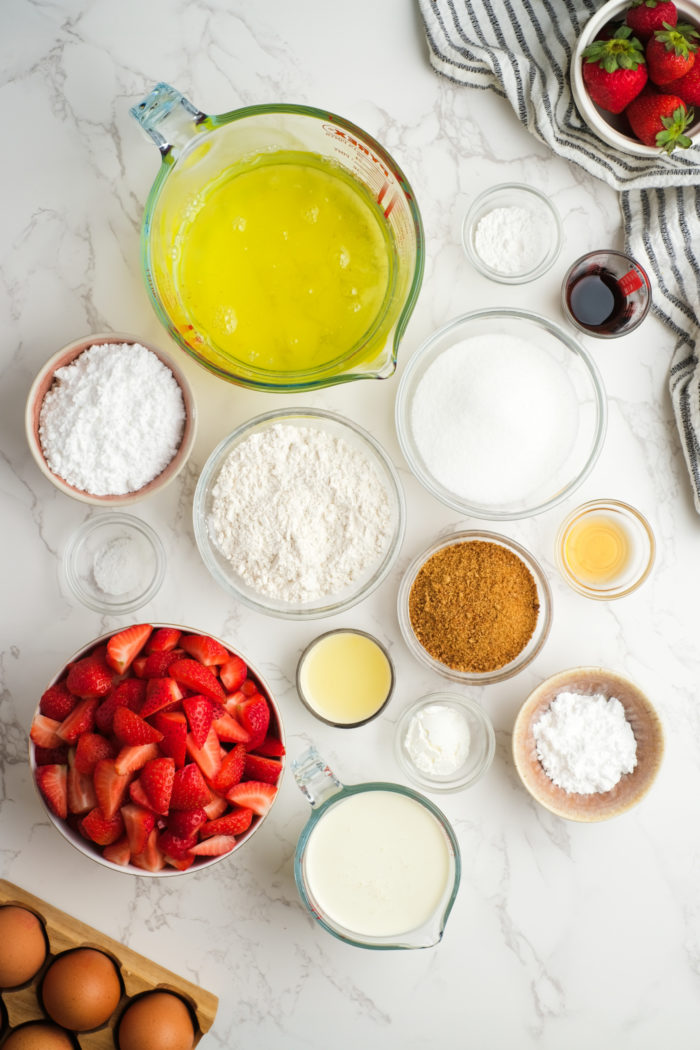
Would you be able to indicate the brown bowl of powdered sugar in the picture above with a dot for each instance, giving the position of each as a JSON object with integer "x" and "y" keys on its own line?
{"x": 587, "y": 744}
{"x": 110, "y": 419}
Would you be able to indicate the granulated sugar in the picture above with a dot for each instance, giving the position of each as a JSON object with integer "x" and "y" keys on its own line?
{"x": 585, "y": 743}
{"x": 494, "y": 418}
{"x": 112, "y": 420}
{"x": 299, "y": 513}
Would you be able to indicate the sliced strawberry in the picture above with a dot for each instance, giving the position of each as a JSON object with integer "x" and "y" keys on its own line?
{"x": 130, "y": 728}
{"x": 138, "y": 795}
{"x": 151, "y": 858}
{"x": 230, "y": 729}
{"x": 173, "y": 726}
{"x": 52, "y": 781}
{"x": 181, "y": 865}
{"x": 130, "y": 693}
{"x": 204, "y": 649}
{"x": 233, "y": 823}
{"x": 110, "y": 786}
{"x": 175, "y": 846}
{"x": 51, "y": 756}
{"x": 257, "y": 767}
{"x": 124, "y": 646}
{"x": 216, "y": 807}
{"x": 163, "y": 640}
{"x": 138, "y": 665}
{"x": 157, "y": 778}
{"x": 80, "y": 720}
{"x": 90, "y": 748}
{"x": 271, "y": 747}
{"x": 101, "y": 829}
{"x": 118, "y": 852}
{"x": 160, "y": 693}
{"x": 89, "y": 678}
{"x": 198, "y": 678}
{"x": 254, "y": 794}
{"x": 57, "y": 702}
{"x": 185, "y": 823}
{"x": 233, "y": 674}
{"x": 135, "y": 756}
{"x": 44, "y": 732}
{"x": 80, "y": 788}
{"x": 254, "y": 716}
{"x": 214, "y": 847}
{"x": 189, "y": 788}
{"x": 231, "y": 771}
{"x": 199, "y": 713}
{"x": 139, "y": 823}
{"x": 209, "y": 757}
{"x": 157, "y": 664}
{"x": 249, "y": 688}
{"x": 232, "y": 701}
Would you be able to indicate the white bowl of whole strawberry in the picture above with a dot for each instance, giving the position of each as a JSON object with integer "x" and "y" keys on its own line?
{"x": 157, "y": 750}
{"x": 635, "y": 75}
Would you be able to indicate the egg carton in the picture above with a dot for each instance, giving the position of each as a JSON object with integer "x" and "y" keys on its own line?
{"x": 137, "y": 973}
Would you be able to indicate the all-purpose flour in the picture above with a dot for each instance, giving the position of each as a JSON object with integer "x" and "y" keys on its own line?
{"x": 584, "y": 742}
{"x": 299, "y": 513}
{"x": 112, "y": 420}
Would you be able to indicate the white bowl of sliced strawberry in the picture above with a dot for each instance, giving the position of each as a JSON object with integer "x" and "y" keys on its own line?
{"x": 635, "y": 75}
{"x": 157, "y": 750}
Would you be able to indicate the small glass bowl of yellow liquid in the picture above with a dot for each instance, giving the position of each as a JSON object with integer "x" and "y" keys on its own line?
{"x": 345, "y": 678}
{"x": 605, "y": 549}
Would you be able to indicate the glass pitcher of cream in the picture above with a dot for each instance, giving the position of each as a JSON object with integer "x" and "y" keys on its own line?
{"x": 282, "y": 246}
{"x": 377, "y": 864}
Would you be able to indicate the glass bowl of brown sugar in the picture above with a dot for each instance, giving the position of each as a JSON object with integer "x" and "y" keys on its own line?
{"x": 475, "y": 606}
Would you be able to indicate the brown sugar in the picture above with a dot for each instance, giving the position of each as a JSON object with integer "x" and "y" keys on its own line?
{"x": 473, "y": 606}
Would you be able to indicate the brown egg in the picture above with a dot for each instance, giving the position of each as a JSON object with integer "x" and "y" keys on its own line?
{"x": 156, "y": 1021}
{"x": 22, "y": 945}
{"x": 38, "y": 1036}
{"x": 81, "y": 989}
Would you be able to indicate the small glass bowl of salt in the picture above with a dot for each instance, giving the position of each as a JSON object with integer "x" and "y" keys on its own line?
{"x": 114, "y": 564}
{"x": 512, "y": 233}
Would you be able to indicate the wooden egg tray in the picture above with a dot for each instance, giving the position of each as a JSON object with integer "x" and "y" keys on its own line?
{"x": 138, "y": 974}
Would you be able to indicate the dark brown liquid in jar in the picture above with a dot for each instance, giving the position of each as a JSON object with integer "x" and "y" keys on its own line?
{"x": 597, "y": 302}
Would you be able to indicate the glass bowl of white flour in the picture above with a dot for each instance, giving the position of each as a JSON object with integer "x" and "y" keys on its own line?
{"x": 299, "y": 513}
{"x": 512, "y": 233}
{"x": 501, "y": 414}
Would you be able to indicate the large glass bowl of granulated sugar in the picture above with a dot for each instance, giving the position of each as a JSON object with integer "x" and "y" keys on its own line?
{"x": 501, "y": 414}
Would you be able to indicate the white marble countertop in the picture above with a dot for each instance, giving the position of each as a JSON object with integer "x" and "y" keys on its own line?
{"x": 563, "y": 935}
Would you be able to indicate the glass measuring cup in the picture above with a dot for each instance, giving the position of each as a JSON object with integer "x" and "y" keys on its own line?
{"x": 338, "y": 810}
{"x": 199, "y": 153}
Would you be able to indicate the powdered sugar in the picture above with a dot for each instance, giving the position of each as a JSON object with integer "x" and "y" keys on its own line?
{"x": 112, "y": 420}
{"x": 299, "y": 513}
{"x": 585, "y": 743}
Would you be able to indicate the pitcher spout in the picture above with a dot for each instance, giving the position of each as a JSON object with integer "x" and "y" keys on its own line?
{"x": 168, "y": 117}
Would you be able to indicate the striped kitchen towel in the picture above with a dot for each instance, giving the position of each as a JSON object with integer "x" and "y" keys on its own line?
{"x": 522, "y": 50}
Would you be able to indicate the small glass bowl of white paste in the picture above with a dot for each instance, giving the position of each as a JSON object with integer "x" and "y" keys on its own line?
{"x": 512, "y": 233}
{"x": 444, "y": 742}
{"x": 114, "y": 564}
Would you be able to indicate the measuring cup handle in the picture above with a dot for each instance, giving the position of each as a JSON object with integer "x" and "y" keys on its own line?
{"x": 314, "y": 777}
{"x": 168, "y": 117}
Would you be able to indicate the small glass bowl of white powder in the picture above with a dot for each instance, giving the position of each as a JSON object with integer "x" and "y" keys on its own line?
{"x": 299, "y": 513}
{"x": 444, "y": 742}
{"x": 114, "y": 563}
{"x": 587, "y": 744}
{"x": 512, "y": 233}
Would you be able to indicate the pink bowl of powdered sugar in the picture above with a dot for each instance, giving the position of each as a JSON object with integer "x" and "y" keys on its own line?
{"x": 110, "y": 419}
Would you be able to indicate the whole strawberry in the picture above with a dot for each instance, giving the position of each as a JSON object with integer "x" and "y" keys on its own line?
{"x": 614, "y": 70}
{"x": 688, "y": 87}
{"x": 660, "y": 120}
{"x": 646, "y": 16}
{"x": 671, "y": 53}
